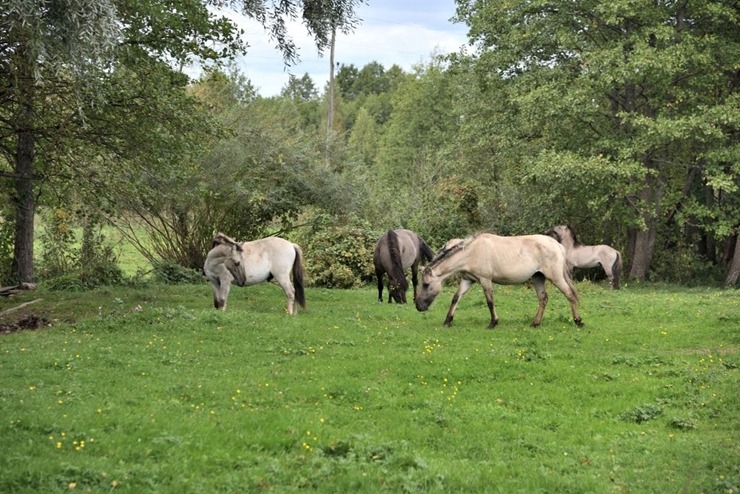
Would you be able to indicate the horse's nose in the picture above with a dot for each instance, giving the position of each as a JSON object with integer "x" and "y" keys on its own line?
{"x": 421, "y": 306}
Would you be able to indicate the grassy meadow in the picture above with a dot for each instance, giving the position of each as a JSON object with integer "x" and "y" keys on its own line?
{"x": 151, "y": 390}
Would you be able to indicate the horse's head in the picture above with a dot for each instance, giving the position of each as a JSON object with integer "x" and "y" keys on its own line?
{"x": 430, "y": 287}
{"x": 397, "y": 290}
{"x": 233, "y": 261}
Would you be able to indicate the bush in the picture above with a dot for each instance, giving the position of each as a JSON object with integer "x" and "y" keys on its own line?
{"x": 339, "y": 256}
{"x": 171, "y": 273}
{"x": 66, "y": 266}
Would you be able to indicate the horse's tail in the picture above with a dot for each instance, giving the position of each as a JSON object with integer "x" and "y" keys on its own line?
{"x": 617, "y": 270}
{"x": 426, "y": 252}
{"x": 300, "y": 294}
{"x": 396, "y": 263}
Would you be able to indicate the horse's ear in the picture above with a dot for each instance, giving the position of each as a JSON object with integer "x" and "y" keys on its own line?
{"x": 221, "y": 238}
{"x": 552, "y": 233}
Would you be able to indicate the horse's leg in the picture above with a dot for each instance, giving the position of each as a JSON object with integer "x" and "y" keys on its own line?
{"x": 539, "y": 286}
{"x": 414, "y": 276}
{"x": 488, "y": 292}
{"x": 566, "y": 286}
{"x": 221, "y": 292}
{"x": 217, "y": 302}
{"x": 284, "y": 281}
{"x": 379, "y": 274}
{"x": 465, "y": 284}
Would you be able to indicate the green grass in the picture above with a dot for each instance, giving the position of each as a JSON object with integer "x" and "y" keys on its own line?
{"x": 151, "y": 390}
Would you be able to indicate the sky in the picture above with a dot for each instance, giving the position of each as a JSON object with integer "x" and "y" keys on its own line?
{"x": 402, "y": 32}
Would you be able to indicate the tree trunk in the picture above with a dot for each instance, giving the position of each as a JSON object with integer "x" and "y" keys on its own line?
{"x": 643, "y": 256}
{"x": 734, "y": 272}
{"x": 24, "y": 199}
{"x": 644, "y": 246}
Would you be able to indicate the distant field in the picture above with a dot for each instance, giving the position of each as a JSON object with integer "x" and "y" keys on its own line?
{"x": 150, "y": 390}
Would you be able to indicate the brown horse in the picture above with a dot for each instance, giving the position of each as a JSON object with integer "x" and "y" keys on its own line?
{"x": 489, "y": 259}
{"x": 395, "y": 252}
{"x": 250, "y": 263}
{"x": 589, "y": 256}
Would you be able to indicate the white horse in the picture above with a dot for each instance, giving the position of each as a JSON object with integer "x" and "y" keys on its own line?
{"x": 589, "y": 256}
{"x": 489, "y": 259}
{"x": 250, "y": 263}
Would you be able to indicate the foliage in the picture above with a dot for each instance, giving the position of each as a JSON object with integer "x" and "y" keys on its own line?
{"x": 644, "y": 91}
{"x": 452, "y": 211}
{"x": 148, "y": 389}
{"x": 71, "y": 263}
{"x": 6, "y": 244}
{"x": 171, "y": 273}
{"x": 642, "y": 413}
{"x": 338, "y": 254}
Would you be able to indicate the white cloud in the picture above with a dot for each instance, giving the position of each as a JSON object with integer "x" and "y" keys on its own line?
{"x": 391, "y": 32}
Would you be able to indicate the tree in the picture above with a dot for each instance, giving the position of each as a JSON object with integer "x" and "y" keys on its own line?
{"x": 55, "y": 54}
{"x": 413, "y": 157}
{"x": 36, "y": 38}
{"x": 645, "y": 91}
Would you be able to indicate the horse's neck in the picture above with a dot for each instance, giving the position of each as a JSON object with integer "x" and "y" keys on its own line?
{"x": 448, "y": 267}
{"x": 568, "y": 242}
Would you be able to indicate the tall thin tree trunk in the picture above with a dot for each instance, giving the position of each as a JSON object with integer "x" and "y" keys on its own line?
{"x": 24, "y": 199}
{"x": 330, "y": 98}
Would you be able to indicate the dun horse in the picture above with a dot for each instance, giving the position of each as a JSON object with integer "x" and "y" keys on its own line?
{"x": 589, "y": 256}
{"x": 250, "y": 263}
{"x": 489, "y": 259}
{"x": 396, "y": 251}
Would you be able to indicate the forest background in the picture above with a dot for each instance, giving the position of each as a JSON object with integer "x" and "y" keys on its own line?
{"x": 620, "y": 118}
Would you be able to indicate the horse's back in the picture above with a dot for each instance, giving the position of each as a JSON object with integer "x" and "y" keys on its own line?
{"x": 408, "y": 244}
{"x": 515, "y": 259}
{"x": 266, "y": 257}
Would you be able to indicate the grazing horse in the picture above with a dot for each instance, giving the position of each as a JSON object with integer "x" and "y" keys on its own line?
{"x": 589, "y": 256}
{"x": 396, "y": 251}
{"x": 250, "y": 263}
{"x": 489, "y": 259}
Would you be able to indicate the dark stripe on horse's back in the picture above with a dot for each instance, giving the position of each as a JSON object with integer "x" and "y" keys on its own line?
{"x": 445, "y": 253}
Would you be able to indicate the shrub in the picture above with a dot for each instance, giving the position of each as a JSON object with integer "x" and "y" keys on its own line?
{"x": 339, "y": 256}
{"x": 67, "y": 264}
{"x": 171, "y": 273}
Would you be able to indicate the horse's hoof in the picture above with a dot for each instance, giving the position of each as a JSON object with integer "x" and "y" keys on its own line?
{"x": 493, "y": 324}
{"x": 579, "y": 323}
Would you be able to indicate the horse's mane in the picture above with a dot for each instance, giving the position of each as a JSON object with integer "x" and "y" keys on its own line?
{"x": 447, "y": 252}
{"x": 427, "y": 254}
{"x": 572, "y": 231}
{"x": 223, "y": 239}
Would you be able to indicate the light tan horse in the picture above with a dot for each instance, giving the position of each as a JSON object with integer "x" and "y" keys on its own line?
{"x": 395, "y": 252}
{"x": 589, "y": 256}
{"x": 489, "y": 259}
{"x": 250, "y": 263}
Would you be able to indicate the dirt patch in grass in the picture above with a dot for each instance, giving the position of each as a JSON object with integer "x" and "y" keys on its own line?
{"x": 29, "y": 322}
